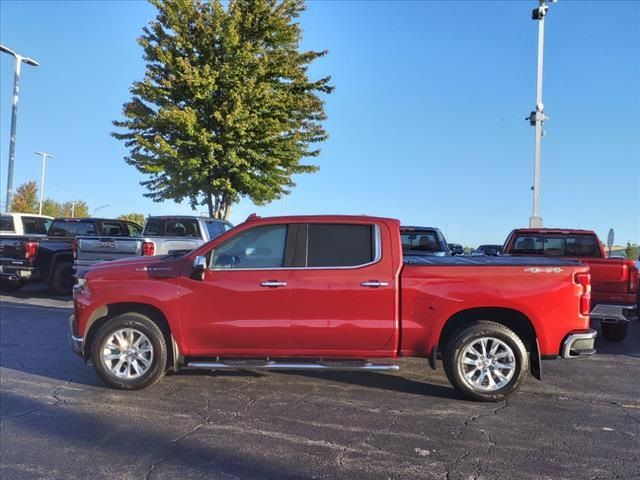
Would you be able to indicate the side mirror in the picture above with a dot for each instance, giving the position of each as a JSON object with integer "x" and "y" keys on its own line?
{"x": 199, "y": 267}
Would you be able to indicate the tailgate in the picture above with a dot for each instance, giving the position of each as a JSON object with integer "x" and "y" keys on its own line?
{"x": 609, "y": 275}
{"x": 12, "y": 248}
{"x": 102, "y": 249}
{"x": 168, "y": 245}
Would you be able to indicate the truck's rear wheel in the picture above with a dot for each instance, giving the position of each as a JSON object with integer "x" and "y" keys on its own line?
{"x": 486, "y": 361}
{"x": 614, "y": 332}
{"x": 129, "y": 352}
{"x": 62, "y": 280}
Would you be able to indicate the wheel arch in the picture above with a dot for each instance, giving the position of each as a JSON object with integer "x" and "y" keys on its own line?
{"x": 55, "y": 259}
{"x": 515, "y": 320}
{"x": 103, "y": 314}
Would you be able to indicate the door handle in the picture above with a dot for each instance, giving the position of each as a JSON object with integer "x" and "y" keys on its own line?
{"x": 374, "y": 284}
{"x": 273, "y": 284}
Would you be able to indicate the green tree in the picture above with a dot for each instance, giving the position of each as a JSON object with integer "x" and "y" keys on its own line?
{"x": 67, "y": 209}
{"x": 76, "y": 208}
{"x": 631, "y": 251}
{"x": 133, "y": 217}
{"x": 25, "y": 200}
{"x": 226, "y": 108}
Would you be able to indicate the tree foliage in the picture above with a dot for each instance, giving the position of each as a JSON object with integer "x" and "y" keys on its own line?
{"x": 133, "y": 217}
{"x": 226, "y": 108}
{"x": 25, "y": 200}
{"x": 631, "y": 251}
{"x": 67, "y": 209}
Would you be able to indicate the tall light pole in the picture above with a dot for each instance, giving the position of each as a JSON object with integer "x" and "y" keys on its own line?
{"x": 537, "y": 118}
{"x": 100, "y": 208}
{"x": 44, "y": 162}
{"x": 14, "y": 117}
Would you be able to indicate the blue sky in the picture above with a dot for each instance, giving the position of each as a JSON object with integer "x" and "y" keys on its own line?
{"x": 426, "y": 123}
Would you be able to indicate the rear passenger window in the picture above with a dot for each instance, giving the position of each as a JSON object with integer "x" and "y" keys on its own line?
{"x": 340, "y": 245}
{"x": 6, "y": 224}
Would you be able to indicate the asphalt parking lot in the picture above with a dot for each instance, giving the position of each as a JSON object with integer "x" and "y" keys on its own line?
{"x": 58, "y": 421}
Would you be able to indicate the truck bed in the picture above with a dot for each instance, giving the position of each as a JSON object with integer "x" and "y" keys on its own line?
{"x": 507, "y": 261}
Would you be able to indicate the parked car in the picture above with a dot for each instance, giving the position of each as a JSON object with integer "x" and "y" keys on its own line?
{"x": 18, "y": 224}
{"x": 614, "y": 280}
{"x": 329, "y": 292}
{"x": 456, "y": 249}
{"x": 182, "y": 233}
{"x": 50, "y": 258}
{"x": 423, "y": 241}
{"x": 160, "y": 236}
{"x": 491, "y": 250}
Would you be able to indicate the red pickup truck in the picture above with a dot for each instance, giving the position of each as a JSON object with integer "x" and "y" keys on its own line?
{"x": 329, "y": 292}
{"x": 614, "y": 281}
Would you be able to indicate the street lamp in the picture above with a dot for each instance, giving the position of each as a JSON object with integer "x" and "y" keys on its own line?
{"x": 537, "y": 118}
{"x": 100, "y": 208}
{"x": 14, "y": 117}
{"x": 44, "y": 162}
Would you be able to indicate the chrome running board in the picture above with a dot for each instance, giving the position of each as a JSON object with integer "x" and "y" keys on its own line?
{"x": 344, "y": 366}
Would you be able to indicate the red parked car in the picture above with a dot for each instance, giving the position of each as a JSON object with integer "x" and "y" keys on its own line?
{"x": 329, "y": 292}
{"x": 614, "y": 281}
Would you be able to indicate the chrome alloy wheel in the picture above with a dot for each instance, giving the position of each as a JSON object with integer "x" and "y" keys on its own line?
{"x": 127, "y": 353}
{"x": 487, "y": 364}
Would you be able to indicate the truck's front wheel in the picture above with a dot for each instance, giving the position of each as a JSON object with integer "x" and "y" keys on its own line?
{"x": 486, "y": 361}
{"x": 129, "y": 352}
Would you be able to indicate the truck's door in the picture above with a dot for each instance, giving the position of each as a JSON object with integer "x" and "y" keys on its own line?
{"x": 243, "y": 304}
{"x": 344, "y": 298}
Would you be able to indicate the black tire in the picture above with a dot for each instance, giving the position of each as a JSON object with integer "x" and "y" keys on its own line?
{"x": 614, "y": 332}
{"x": 62, "y": 279}
{"x": 158, "y": 359}
{"x": 9, "y": 287}
{"x": 454, "y": 367}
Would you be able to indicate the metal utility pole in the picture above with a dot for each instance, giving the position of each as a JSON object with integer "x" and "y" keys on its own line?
{"x": 44, "y": 162}
{"x": 14, "y": 117}
{"x": 100, "y": 208}
{"x": 537, "y": 118}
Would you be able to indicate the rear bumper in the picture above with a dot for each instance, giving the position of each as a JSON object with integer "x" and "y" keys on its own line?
{"x": 612, "y": 313}
{"x": 16, "y": 273}
{"x": 579, "y": 344}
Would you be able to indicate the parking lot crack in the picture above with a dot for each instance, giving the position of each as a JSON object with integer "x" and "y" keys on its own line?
{"x": 626, "y": 412}
{"x": 174, "y": 445}
{"x": 53, "y": 395}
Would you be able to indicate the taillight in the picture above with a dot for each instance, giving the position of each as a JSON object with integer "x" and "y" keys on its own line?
{"x": 30, "y": 250}
{"x": 633, "y": 279}
{"x": 74, "y": 248}
{"x": 148, "y": 249}
{"x": 584, "y": 279}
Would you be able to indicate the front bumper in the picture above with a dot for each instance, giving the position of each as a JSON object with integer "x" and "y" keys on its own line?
{"x": 75, "y": 343}
{"x": 579, "y": 344}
